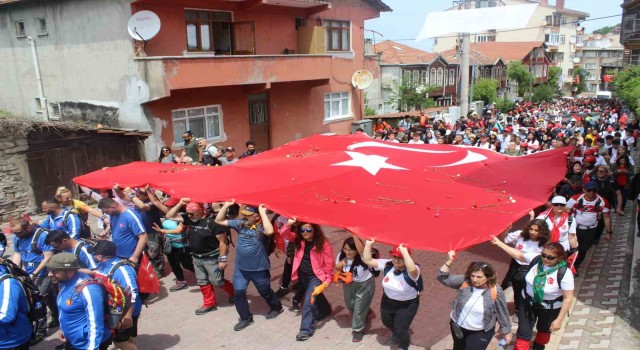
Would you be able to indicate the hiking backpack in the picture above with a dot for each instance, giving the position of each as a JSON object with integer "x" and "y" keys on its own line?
{"x": 418, "y": 285}
{"x": 493, "y": 290}
{"x": 117, "y": 301}
{"x": 85, "y": 230}
{"x": 561, "y": 271}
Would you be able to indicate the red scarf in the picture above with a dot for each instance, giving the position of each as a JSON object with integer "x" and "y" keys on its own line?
{"x": 555, "y": 230}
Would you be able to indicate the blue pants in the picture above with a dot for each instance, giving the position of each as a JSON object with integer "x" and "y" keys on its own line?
{"x": 320, "y": 308}
{"x": 262, "y": 281}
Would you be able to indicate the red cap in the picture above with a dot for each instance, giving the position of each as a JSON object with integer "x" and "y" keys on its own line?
{"x": 589, "y": 152}
{"x": 494, "y": 129}
{"x": 172, "y": 202}
{"x": 610, "y": 128}
{"x": 510, "y": 129}
{"x": 193, "y": 206}
{"x": 396, "y": 251}
{"x": 524, "y": 144}
{"x": 590, "y": 159}
{"x": 560, "y": 134}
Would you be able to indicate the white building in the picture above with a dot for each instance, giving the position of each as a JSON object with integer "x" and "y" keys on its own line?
{"x": 599, "y": 54}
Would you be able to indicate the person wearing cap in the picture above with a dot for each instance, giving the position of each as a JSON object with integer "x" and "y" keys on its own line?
{"x": 190, "y": 149}
{"x": 561, "y": 223}
{"x": 252, "y": 262}
{"x": 401, "y": 287}
{"x": 59, "y": 219}
{"x": 15, "y": 327}
{"x": 588, "y": 208}
{"x": 82, "y": 316}
{"x": 127, "y": 229}
{"x": 229, "y": 156}
{"x": 479, "y": 305}
{"x": 61, "y": 241}
{"x": 122, "y": 273}
{"x": 209, "y": 246}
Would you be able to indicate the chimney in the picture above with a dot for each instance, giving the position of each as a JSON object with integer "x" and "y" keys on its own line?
{"x": 544, "y": 2}
{"x": 560, "y": 5}
{"x": 368, "y": 47}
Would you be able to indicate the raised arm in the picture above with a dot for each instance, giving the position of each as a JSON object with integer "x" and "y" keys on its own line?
{"x": 221, "y": 218}
{"x": 366, "y": 254}
{"x": 412, "y": 269}
{"x": 513, "y": 252}
{"x": 173, "y": 213}
{"x": 266, "y": 223}
{"x": 154, "y": 199}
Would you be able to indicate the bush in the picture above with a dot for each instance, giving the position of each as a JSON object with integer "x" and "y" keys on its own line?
{"x": 486, "y": 90}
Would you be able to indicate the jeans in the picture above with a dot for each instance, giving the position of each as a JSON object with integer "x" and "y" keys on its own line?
{"x": 472, "y": 340}
{"x": 357, "y": 298}
{"x": 180, "y": 258}
{"x": 262, "y": 281}
{"x": 397, "y": 316}
{"x": 320, "y": 307}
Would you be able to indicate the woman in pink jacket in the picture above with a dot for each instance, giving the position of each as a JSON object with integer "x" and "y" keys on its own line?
{"x": 313, "y": 265}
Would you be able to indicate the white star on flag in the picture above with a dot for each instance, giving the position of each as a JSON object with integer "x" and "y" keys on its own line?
{"x": 371, "y": 163}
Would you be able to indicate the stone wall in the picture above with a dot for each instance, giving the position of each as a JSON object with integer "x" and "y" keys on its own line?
{"x": 16, "y": 195}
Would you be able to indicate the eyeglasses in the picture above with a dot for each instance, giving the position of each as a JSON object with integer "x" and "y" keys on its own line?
{"x": 191, "y": 214}
{"x": 558, "y": 205}
{"x": 306, "y": 230}
{"x": 165, "y": 150}
{"x": 591, "y": 191}
{"x": 548, "y": 257}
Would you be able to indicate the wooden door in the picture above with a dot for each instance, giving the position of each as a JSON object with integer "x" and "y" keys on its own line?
{"x": 244, "y": 38}
{"x": 259, "y": 121}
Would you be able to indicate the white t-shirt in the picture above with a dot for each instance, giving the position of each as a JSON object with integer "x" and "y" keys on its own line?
{"x": 472, "y": 312}
{"x": 565, "y": 229}
{"x": 395, "y": 286}
{"x": 360, "y": 273}
{"x": 551, "y": 289}
{"x": 528, "y": 246}
{"x": 419, "y": 142}
{"x": 586, "y": 215}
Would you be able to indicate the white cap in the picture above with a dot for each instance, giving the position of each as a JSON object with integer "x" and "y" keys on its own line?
{"x": 559, "y": 200}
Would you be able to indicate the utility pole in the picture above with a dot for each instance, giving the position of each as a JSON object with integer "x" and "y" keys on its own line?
{"x": 464, "y": 75}
{"x": 36, "y": 64}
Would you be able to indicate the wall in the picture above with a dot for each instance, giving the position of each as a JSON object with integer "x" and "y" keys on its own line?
{"x": 16, "y": 195}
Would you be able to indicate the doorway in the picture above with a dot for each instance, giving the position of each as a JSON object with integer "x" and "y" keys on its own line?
{"x": 259, "y": 121}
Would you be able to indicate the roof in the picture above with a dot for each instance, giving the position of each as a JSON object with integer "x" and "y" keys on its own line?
{"x": 564, "y": 10}
{"x": 488, "y": 53}
{"x": 410, "y": 113}
{"x": 380, "y": 6}
{"x": 396, "y": 53}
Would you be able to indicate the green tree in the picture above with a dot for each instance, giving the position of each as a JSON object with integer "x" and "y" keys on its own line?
{"x": 520, "y": 74}
{"x": 412, "y": 96}
{"x": 554, "y": 80}
{"x": 543, "y": 92}
{"x": 582, "y": 85}
{"x": 486, "y": 90}
{"x": 505, "y": 105}
{"x": 604, "y": 30}
{"x": 626, "y": 86}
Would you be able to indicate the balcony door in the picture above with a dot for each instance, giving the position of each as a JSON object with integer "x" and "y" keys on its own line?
{"x": 244, "y": 38}
{"x": 259, "y": 121}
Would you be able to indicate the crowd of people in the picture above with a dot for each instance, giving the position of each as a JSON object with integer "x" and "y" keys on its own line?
{"x": 62, "y": 256}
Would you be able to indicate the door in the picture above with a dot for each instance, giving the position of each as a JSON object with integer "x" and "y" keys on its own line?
{"x": 244, "y": 38}
{"x": 259, "y": 121}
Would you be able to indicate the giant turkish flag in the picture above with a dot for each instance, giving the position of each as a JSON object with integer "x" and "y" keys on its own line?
{"x": 433, "y": 197}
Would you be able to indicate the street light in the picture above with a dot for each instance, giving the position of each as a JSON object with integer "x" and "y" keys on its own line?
{"x": 36, "y": 64}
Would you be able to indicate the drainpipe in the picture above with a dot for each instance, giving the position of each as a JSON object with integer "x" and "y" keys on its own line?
{"x": 36, "y": 64}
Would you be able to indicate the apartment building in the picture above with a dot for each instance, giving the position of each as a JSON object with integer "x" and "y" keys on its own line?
{"x": 601, "y": 56}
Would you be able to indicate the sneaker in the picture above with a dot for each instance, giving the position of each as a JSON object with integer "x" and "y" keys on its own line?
{"x": 274, "y": 313}
{"x": 302, "y": 336}
{"x": 231, "y": 300}
{"x": 53, "y": 323}
{"x": 242, "y": 324}
{"x": 393, "y": 340}
{"x": 179, "y": 286}
{"x": 514, "y": 318}
{"x": 38, "y": 337}
{"x": 204, "y": 309}
{"x": 282, "y": 292}
{"x": 356, "y": 337}
{"x": 295, "y": 306}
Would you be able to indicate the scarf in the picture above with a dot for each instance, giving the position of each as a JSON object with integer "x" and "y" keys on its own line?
{"x": 555, "y": 230}
{"x": 541, "y": 280}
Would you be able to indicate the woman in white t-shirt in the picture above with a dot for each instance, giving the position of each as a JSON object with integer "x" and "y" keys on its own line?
{"x": 358, "y": 284}
{"x": 548, "y": 295}
{"x": 401, "y": 284}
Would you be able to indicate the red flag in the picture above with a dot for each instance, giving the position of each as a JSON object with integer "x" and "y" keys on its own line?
{"x": 434, "y": 197}
{"x": 571, "y": 261}
{"x": 147, "y": 279}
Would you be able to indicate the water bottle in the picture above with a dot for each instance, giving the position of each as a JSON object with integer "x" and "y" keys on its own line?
{"x": 502, "y": 343}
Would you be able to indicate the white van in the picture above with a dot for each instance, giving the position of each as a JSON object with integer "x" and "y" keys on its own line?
{"x": 603, "y": 94}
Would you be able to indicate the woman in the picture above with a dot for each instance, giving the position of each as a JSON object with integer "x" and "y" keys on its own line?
{"x": 65, "y": 197}
{"x": 574, "y": 171}
{"x": 313, "y": 267}
{"x": 547, "y": 295}
{"x": 533, "y": 236}
{"x": 429, "y": 138}
{"x": 358, "y": 294}
{"x": 402, "y": 285}
{"x": 473, "y": 322}
{"x": 512, "y": 150}
{"x": 622, "y": 173}
{"x": 533, "y": 145}
{"x": 176, "y": 250}
{"x": 167, "y": 157}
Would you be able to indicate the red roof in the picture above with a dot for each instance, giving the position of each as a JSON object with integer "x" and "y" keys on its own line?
{"x": 396, "y": 53}
{"x": 488, "y": 53}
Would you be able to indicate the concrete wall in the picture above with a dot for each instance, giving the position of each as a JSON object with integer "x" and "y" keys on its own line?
{"x": 86, "y": 60}
{"x": 16, "y": 195}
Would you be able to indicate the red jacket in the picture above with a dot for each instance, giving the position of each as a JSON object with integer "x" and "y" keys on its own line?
{"x": 321, "y": 262}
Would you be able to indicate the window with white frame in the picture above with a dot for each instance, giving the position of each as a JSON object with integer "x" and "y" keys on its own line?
{"x": 590, "y": 66}
{"x": 452, "y": 77}
{"x": 20, "y": 32}
{"x": 203, "y": 122}
{"x": 41, "y": 26}
{"x": 433, "y": 76}
{"x": 424, "y": 79}
{"x": 440, "y": 75}
{"x": 337, "y": 105}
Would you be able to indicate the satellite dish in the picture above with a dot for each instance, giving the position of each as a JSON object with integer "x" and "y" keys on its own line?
{"x": 361, "y": 79}
{"x": 143, "y": 25}
{"x": 576, "y": 60}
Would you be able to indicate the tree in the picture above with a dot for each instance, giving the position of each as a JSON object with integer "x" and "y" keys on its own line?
{"x": 486, "y": 90}
{"x": 627, "y": 87}
{"x": 554, "y": 80}
{"x": 412, "y": 96}
{"x": 543, "y": 92}
{"x": 504, "y": 105}
{"x": 581, "y": 86}
{"x": 605, "y": 30}
{"x": 520, "y": 74}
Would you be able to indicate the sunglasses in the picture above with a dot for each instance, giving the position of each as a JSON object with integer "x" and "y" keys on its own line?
{"x": 479, "y": 265}
{"x": 558, "y": 205}
{"x": 548, "y": 257}
{"x": 165, "y": 150}
{"x": 591, "y": 191}
{"x": 306, "y": 230}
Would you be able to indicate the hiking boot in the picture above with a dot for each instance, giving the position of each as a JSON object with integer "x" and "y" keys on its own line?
{"x": 38, "y": 337}
{"x": 204, "y": 309}
{"x": 242, "y": 324}
{"x": 179, "y": 286}
{"x": 302, "y": 336}
{"x": 282, "y": 292}
{"x": 356, "y": 336}
{"x": 53, "y": 323}
{"x": 274, "y": 313}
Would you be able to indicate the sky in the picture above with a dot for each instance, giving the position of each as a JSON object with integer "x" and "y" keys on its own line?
{"x": 406, "y": 20}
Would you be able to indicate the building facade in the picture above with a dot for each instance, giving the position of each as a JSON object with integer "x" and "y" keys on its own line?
{"x": 630, "y": 34}
{"x": 601, "y": 56}
{"x": 227, "y": 70}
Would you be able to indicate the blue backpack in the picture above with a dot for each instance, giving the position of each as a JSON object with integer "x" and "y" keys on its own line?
{"x": 418, "y": 285}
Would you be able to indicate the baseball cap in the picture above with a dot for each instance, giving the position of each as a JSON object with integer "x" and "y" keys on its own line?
{"x": 396, "y": 252}
{"x": 590, "y": 159}
{"x": 229, "y": 149}
{"x": 249, "y": 210}
{"x": 559, "y": 200}
{"x": 172, "y": 202}
{"x": 63, "y": 261}
{"x": 591, "y": 185}
{"x": 104, "y": 248}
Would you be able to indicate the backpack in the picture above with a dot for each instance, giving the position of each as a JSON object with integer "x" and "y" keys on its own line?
{"x": 85, "y": 230}
{"x": 561, "y": 271}
{"x": 375, "y": 254}
{"x": 117, "y": 299}
{"x": 34, "y": 240}
{"x": 37, "y": 313}
{"x": 89, "y": 244}
{"x": 492, "y": 289}
{"x": 417, "y": 285}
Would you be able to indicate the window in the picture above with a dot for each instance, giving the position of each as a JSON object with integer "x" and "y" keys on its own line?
{"x": 337, "y": 105}
{"x": 445, "y": 77}
{"x": 562, "y": 38}
{"x": 41, "y": 26}
{"x": 635, "y": 57}
{"x": 440, "y": 76}
{"x": 301, "y": 22}
{"x": 20, "y": 33}
{"x": 590, "y": 66}
{"x": 433, "y": 76}
{"x": 338, "y": 35}
{"x": 570, "y": 72}
{"x": 208, "y": 31}
{"x": 424, "y": 79}
{"x": 415, "y": 77}
{"x": 553, "y": 38}
{"x": 452, "y": 77}
{"x": 564, "y": 21}
{"x": 544, "y": 71}
{"x": 203, "y": 121}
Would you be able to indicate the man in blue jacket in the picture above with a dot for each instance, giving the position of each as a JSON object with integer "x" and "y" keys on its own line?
{"x": 82, "y": 315}
{"x": 123, "y": 274}
{"x": 59, "y": 218}
{"x": 15, "y": 327}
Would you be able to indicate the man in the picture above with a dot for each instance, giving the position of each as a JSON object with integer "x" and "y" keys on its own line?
{"x": 252, "y": 262}
{"x": 15, "y": 326}
{"x": 405, "y": 123}
{"x": 32, "y": 253}
{"x": 61, "y": 241}
{"x": 128, "y": 232}
{"x": 209, "y": 247}
{"x": 190, "y": 147}
{"x": 588, "y": 207}
{"x": 229, "y": 156}
{"x": 609, "y": 190}
{"x": 391, "y": 137}
{"x": 251, "y": 149}
{"x": 59, "y": 218}
{"x": 82, "y": 317}
{"x": 123, "y": 274}
{"x": 210, "y": 154}
{"x": 561, "y": 224}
